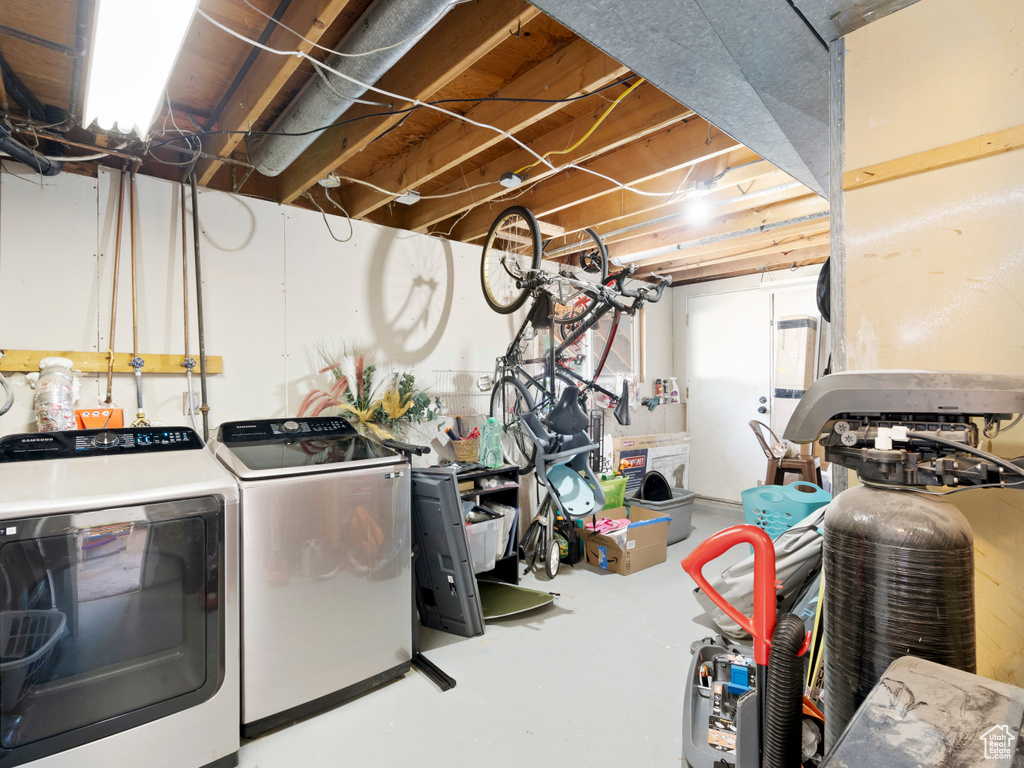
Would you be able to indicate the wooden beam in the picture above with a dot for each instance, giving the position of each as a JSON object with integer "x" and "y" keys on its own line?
{"x": 268, "y": 74}
{"x": 463, "y": 37}
{"x": 96, "y": 362}
{"x": 778, "y": 262}
{"x": 952, "y": 154}
{"x": 575, "y": 70}
{"x": 680, "y": 230}
{"x": 677, "y": 146}
{"x": 645, "y": 111}
{"x": 788, "y": 239}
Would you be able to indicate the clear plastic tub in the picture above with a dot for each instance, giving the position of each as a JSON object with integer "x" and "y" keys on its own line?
{"x": 483, "y": 540}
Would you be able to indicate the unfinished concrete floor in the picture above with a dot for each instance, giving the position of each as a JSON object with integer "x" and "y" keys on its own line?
{"x": 596, "y": 679}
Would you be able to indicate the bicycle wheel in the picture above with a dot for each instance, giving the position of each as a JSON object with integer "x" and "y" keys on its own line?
{"x": 511, "y": 250}
{"x": 509, "y": 401}
{"x": 594, "y": 256}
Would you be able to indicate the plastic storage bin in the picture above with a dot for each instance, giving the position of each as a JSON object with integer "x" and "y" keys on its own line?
{"x": 679, "y": 508}
{"x": 776, "y": 508}
{"x": 483, "y": 539}
{"x": 26, "y": 641}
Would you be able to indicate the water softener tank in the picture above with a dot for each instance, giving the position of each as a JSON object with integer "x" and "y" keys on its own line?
{"x": 899, "y": 581}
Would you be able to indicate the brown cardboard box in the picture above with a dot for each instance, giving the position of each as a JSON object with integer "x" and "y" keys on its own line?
{"x": 795, "y": 339}
{"x": 646, "y": 545}
{"x": 668, "y": 454}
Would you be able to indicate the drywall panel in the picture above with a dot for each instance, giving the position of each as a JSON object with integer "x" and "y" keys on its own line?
{"x": 49, "y": 290}
{"x": 915, "y": 82}
{"x": 935, "y": 265}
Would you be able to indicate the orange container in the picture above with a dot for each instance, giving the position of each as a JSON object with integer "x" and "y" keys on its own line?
{"x": 99, "y": 418}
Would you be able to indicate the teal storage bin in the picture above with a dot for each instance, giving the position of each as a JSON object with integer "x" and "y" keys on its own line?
{"x": 776, "y": 508}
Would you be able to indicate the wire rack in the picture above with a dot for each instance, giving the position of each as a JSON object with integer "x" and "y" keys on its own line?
{"x": 460, "y": 393}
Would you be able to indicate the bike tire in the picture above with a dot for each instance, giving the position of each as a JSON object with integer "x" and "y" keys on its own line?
{"x": 509, "y": 401}
{"x": 594, "y": 259}
{"x": 509, "y": 254}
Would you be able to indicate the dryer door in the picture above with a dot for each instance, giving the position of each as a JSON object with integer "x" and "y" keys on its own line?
{"x": 108, "y": 619}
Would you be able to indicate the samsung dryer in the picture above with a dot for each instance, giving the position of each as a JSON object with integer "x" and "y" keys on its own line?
{"x": 118, "y": 601}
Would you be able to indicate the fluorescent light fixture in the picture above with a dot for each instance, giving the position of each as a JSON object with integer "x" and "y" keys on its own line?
{"x": 134, "y": 47}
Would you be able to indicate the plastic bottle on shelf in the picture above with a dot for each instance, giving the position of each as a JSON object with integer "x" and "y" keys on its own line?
{"x": 490, "y": 448}
{"x": 673, "y": 390}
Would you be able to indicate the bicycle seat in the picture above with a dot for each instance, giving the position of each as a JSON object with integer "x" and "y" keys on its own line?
{"x": 621, "y": 411}
{"x": 567, "y": 417}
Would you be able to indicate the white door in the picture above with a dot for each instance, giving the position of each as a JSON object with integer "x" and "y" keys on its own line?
{"x": 728, "y": 372}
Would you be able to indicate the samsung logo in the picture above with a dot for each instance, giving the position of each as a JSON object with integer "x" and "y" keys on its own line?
{"x": 37, "y": 440}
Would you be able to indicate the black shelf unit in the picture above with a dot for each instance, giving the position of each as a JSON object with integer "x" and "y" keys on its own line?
{"x": 506, "y": 568}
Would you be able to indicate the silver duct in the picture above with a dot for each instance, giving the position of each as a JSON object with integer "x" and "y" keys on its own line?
{"x": 319, "y": 103}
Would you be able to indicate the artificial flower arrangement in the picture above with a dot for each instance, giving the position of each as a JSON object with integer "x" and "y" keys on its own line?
{"x": 375, "y": 402}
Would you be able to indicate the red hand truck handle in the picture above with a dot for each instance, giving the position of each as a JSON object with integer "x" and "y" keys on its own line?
{"x": 763, "y": 624}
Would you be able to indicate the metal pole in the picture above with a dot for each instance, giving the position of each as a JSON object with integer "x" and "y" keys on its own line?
{"x": 137, "y": 362}
{"x": 113, "y": 296}
{"x": 204, "y": 408}
{"x": 81, "y": 41}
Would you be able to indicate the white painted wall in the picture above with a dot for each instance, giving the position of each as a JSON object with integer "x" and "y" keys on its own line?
{"x": 275, "y": 284}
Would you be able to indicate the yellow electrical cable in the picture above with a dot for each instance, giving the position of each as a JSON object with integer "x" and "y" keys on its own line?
{"x": 587, "y": 134}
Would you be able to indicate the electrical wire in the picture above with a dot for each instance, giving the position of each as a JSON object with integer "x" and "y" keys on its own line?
{"x": 351, "y": 229}
{"x": 586, "y": 135}
{"x": 999, "y": 428}
{"x": 919, "y": 435}
{"x": 368, "y": 87}
{"x": 422, "y": 197}
{"x": 405, "y": 111}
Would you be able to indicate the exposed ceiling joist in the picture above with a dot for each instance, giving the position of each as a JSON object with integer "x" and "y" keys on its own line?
{"x": 267, "y": 75}
{"x": 432, "y": 64}
{"x": 679, "y": 231}
{"x": 752, "y": 266}
{"x": 674, "y": 147}
{"x": 575, "y": 70}
{"x": 642, "y": 112}
{"x": 794, "y": 237}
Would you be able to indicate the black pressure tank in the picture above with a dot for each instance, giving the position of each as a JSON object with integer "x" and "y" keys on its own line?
{"x": 899, "y": 581}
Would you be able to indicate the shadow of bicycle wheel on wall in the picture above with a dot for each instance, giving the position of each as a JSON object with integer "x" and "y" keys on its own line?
{"x": 411, "y": 289}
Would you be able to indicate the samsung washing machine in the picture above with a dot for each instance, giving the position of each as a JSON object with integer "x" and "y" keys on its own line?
{"x": 118, "y": 601}
{"x": 326, "y": 574}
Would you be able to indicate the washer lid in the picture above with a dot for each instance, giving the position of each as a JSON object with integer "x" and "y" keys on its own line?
{"x": 269, "y": 447}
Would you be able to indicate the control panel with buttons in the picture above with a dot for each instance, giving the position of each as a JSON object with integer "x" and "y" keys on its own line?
{"x": 95, "y": 442}
{"x": 285, "y": 430}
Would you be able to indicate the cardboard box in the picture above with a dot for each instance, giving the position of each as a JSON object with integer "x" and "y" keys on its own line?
{"x": 645, "y": 545}
{"x": 668, "y": 454}
{"x": 796, "y": 337}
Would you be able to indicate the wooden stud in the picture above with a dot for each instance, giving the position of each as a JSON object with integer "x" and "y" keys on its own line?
{"x": 20, "y": 360}
{"x": 574, "y": 70}
{"x": 952, "y": 154}
{"x": 268, "y": 74}
{"x": 433, "y": 63}
{"x": 645, "y": 111}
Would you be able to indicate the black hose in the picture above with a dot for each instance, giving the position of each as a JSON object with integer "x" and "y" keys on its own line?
{"x": 784, "y": 694}
{"x": 17, "y": 91}
{"x": 27, "y": 156}
{"x": 10, "y": 394}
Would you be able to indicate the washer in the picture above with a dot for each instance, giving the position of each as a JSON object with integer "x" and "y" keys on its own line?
{"x": 118, "y": 601}
{"x": 326, "y": 564}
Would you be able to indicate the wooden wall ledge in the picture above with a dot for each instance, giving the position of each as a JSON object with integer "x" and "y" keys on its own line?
{"x": 27, "y": 360}
{"x": 941, "y": 157}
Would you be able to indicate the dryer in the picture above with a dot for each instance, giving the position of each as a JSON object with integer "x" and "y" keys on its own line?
{"x": 326, "y": 576}
{"x": 118, "y": 601}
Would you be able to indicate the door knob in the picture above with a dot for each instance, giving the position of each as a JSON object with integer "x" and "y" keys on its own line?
{"x": 762, "y": 409}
